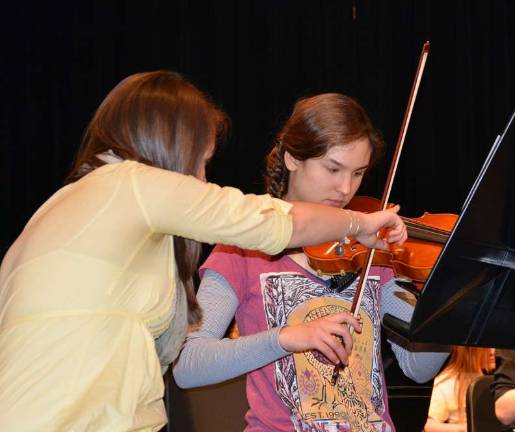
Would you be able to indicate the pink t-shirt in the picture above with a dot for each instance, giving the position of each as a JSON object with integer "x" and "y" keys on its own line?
{"x": 295, "y": 393}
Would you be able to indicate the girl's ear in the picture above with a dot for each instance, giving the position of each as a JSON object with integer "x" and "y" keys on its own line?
{"x": 290, "y": 162}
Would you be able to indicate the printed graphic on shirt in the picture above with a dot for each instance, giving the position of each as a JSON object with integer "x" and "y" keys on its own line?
{"x": 355, "y": 402}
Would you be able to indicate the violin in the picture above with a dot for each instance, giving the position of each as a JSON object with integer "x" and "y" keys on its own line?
{"x": 413, "y": 260}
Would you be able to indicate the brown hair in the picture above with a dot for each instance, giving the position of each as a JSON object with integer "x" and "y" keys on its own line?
{"x": 465, "y": 364}
{"x": 160, "y": 119}
{"x": 316, "y": 124}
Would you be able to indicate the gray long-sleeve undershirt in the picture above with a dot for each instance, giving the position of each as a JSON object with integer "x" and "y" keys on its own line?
{"x": 209, "y": 358}
{"x": 416, "y": 362}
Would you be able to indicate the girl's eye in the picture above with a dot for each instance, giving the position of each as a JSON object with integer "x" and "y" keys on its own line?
{"x": 359, "y": 173}
{"x": 332, "y": 170}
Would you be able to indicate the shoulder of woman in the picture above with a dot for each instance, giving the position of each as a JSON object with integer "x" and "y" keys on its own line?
{"x": 444, "y": 377}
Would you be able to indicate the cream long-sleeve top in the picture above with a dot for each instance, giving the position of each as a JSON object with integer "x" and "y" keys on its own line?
{"x": 444, "y": 405}
{"x": 91, "y": 282}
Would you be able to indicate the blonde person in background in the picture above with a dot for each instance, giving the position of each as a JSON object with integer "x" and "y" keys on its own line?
{"x": 105, "y": 265}
{"x": 447, "y": 406}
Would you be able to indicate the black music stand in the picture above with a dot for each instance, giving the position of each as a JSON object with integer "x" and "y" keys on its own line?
{"x": 469, "y": 297}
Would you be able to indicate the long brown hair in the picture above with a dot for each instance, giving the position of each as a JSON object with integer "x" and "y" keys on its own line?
{"x": 316, "y": 124}
{"x": 465, "y": 364}
{"x": 160, "y": 119}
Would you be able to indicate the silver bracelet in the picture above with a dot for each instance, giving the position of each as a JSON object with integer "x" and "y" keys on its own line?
{"x": 354, "y": 223}
{"x": 357, "y": 223}
{"x": 351, "y": 222}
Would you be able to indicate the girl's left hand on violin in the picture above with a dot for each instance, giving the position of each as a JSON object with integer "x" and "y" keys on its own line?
{"x": 371, "y": 223}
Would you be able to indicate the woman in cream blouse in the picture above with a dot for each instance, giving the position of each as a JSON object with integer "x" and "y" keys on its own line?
{"x": 105, "y": 265}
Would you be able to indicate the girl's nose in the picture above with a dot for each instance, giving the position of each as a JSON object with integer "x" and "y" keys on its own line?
{"x": 345, "y": 185}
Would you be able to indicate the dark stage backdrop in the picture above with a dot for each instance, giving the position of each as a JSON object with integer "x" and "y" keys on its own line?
{"x": 255, "y": 58}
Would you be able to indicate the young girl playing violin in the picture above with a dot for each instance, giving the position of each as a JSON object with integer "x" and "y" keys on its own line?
{"x": 295, "y": 323}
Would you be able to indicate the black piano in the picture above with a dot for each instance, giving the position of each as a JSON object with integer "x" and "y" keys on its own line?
{"x": 469, "y": 297}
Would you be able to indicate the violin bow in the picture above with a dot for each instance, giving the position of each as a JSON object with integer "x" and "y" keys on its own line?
{"x": 356, "y": 302}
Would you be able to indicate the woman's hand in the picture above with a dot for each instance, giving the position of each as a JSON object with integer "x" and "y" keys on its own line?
{"x": 371, "y": 223}
{"x": 321, "y": 335}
